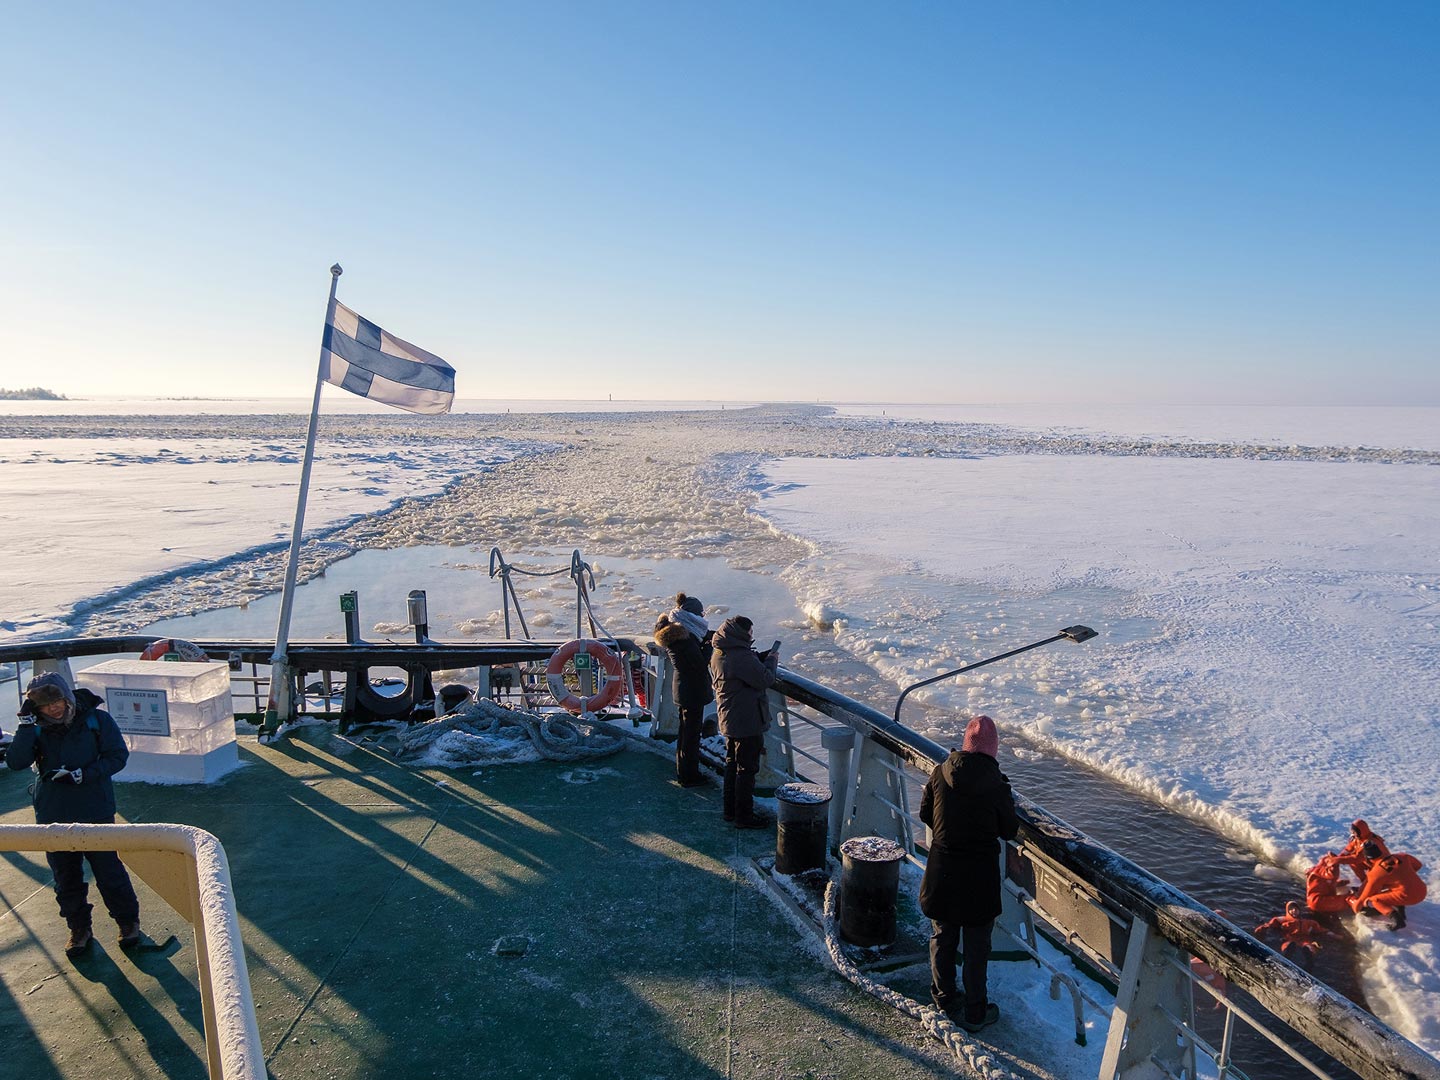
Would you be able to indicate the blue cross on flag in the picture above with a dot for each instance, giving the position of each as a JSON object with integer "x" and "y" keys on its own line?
{"x": 358, "y": 356}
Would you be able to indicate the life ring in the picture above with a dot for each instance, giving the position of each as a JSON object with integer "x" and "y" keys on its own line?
{"x": 564, "y": 696}
{"x": 174, "y": 649}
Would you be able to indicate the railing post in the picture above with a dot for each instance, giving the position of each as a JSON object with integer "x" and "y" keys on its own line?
{"x": 878, "y": 788}
{"x": 663, "y": 707}
{"x": 778, "y": 765}
{"x": 839, "y": 744}
{"x": 1143, "y": 1043}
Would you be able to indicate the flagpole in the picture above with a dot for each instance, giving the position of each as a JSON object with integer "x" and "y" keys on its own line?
{"x": 281, "y": 706}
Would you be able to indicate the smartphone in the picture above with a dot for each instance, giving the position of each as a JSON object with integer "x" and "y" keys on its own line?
{"x": 775, "y": 648}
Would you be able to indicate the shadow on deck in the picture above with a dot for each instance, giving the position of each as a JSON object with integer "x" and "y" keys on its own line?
{"x": 381, "y": 908}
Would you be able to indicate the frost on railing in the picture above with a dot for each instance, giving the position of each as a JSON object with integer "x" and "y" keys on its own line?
{"x": 1120, "y": 920}
{"x": 187, "y": 868}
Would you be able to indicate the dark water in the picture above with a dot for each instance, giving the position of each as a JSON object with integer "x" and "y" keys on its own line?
{"x": 1203, "y": 864}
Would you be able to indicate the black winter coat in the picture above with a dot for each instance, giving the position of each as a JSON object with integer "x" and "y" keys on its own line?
{"x": 969, "y": 808}
{"x": 690, "y": 659}
{"x": 740, "y": 679}
{"x": 98, "y": 752}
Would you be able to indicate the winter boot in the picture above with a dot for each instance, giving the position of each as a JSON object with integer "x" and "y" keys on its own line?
{"x": 129, "y": 934}
{"x": 975, "y": 1021}
{"x": 1397, "y": 920}
{"x": 80, "y": 938}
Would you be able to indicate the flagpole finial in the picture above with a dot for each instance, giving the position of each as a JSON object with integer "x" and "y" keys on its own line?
{"x": 335, "y": 270}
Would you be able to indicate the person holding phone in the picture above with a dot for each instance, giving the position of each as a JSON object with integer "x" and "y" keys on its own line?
{"x": 741, "y": 678}
{"x": 76, "y": 747}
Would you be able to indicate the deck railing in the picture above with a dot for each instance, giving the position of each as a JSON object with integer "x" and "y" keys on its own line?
{"x": 1140, "y": 931}
{"x": 187, "y": 868}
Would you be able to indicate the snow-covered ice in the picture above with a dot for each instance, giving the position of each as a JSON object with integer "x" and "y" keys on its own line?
{"x": 1266, "y": 595}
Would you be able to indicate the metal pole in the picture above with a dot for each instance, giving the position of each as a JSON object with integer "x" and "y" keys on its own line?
{"x": 1073, "y": 633}
{"x": 280, "y": 707}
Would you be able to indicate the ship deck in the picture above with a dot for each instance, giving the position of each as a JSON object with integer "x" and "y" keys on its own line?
{"x": 532, "y": 920}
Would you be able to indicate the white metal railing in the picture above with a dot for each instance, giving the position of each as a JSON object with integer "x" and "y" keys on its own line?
{"x": 187, "y": 868}
{"x": 1151, "y": 1028}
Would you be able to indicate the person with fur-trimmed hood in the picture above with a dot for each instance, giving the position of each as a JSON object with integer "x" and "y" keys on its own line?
{"x": 969, "y": 808}
{"x": 741, "y": 677}
{"x": 684, "y": 634}
{"x": 75, "y": 747}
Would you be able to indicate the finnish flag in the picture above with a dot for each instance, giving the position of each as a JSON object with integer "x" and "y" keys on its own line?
{"x": 360, "y": 357}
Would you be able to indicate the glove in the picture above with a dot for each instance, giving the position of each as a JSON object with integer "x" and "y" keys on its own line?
{"x": 65, "y": 776}
{"x": 27, "y": 713}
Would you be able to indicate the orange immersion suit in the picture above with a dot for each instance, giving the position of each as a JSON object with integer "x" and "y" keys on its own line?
{"x": 1325, "y": 891}
{"x": 1392, "y": 883}
{"x": 1353, "y": 856}
{"x": 1297, "y": 934}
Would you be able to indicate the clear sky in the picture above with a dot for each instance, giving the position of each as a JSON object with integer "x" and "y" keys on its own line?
{"x": 947, "y": 202}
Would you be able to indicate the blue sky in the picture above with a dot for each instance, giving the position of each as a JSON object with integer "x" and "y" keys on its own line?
{"x": 859, "y": 202}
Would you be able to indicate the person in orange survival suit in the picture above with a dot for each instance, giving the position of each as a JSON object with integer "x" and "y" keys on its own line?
{"x": 1391, "y": 886}
{"x": 1325, "y": 891}
{"x": 1298, "y": 935}
{"x": 1353, "y": 854}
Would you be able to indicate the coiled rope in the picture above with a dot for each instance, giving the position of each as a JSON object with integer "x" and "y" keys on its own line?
{"x": 482, "y": 732}
{"x": 966, "y": 1051}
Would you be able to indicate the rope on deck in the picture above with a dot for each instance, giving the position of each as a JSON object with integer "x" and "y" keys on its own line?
{"x": 967, "y": 1051}
{"x": 487, "y": 733}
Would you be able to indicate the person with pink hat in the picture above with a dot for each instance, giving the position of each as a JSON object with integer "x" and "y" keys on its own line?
{"x": 969, "y": 808}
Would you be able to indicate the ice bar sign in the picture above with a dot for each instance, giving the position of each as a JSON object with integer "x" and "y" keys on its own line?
{"x": 139, "y": 712}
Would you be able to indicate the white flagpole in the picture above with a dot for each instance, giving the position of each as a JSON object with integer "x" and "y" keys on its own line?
{"x": 281, "y": 706}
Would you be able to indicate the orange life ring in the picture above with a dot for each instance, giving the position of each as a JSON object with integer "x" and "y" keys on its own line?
{"x": 174, "y": 649}
{"x": 572, "y": 702}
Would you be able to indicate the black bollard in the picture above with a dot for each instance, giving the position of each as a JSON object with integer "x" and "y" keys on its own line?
{"x": 803, "y": 825}
{"x": 869, "y": 884}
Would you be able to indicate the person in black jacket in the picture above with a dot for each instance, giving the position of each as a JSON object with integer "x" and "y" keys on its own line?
{"x": 76, "y": 747}
{"x": 968, "y": 805}
{"x": 684, "y": 634}
{"x": 741, "y": 677}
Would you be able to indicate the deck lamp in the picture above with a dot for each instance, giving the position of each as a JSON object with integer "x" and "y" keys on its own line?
{"x": 1071, "y": 633}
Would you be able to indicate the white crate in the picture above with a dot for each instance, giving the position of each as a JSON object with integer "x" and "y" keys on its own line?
{"x": 176, "y": 717}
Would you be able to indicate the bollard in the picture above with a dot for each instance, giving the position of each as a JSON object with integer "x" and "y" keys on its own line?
{"x": 869, "y": 884}
{"x": 800, "y": 838}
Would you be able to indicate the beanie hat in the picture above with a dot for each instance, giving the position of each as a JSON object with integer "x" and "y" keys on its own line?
{"x": 690, "y": 604}
{"x": 981, "y": 737}
{"x": 50, "y": 687}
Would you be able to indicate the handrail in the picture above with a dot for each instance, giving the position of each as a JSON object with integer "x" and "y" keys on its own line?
{"x": 187, "y": 867}
{"x": 1332, "y": 1022}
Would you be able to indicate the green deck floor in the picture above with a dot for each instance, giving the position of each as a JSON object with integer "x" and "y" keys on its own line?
{"x": 371, "y": 899}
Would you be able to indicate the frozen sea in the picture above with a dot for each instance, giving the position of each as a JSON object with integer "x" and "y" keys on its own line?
{"x": 1265, "y": 581}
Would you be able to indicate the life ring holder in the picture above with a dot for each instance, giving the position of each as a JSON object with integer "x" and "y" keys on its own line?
{"x": 604, "y": 656}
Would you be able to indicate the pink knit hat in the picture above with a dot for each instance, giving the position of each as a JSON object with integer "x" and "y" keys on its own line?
{"x": 981, "y": 737}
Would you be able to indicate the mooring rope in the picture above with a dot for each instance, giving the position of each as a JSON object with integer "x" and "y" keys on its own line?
{"x": 493, "y": 733}
{"x": 967, "y": 1051}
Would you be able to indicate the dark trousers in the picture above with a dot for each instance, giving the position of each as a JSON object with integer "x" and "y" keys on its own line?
{"x": 742, "y": 765}
{"x": 976, "y": 942}
{"x": 687, "y": 745}
{"x": 71, "y": 891}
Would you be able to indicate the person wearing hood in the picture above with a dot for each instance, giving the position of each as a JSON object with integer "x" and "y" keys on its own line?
{"x": 1299, "y": 936}
{"x": 969, "y": 808}
{"x": 76, "y": 747}
{"x": 684, "y": 634}
{"x": 741, "y": 677}
{"x": 1354, "y": 853}
{"x": 1392, "y": 885}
